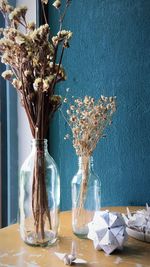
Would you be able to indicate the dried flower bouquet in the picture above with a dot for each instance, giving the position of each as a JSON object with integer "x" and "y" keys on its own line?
{"x": 87, "y": 119}
{"x": 34, "y": 58}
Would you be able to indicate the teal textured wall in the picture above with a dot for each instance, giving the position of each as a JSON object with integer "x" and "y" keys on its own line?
{"x": 110, "y": 55}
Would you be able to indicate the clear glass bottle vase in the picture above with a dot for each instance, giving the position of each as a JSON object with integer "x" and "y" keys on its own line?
{"x": 86, "y": 190}
{"x": 39, "y": 197}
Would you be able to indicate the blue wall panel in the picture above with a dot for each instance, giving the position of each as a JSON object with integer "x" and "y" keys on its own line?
{"x": 110, "y": 55}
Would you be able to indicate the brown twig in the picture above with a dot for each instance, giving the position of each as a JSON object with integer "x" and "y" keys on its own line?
{"x": 62, "y": 17}
{"x": 44, "y": 14}
{"x": 60, "y": 61}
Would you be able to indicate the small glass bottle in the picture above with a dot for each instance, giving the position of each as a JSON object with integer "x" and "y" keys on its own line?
{"x": 86, "y": 189}
{"x": 39, "y": 197}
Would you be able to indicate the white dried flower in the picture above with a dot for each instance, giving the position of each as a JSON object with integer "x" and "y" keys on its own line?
{"x": 65, "y": 34}
{"x": 45, "y": 2}
{"x": 7, "y": 74}
{"x": 67, "y": 136}
{"x": 17, "y": 84}
{"x": 20, "y": 40}
{"x": 45, "y": 85}
{"x": 50, "y": 78}
{"x": 51, "y": 64}
{"x": 65, "y": 100}
{"x": 55, "y": 40}
{"x": 104, "y": 98}
{"x": 86, "y": 100}
{"x": 18, "y": 12}
{"x": 4, "y": 58}
{"x": 72, "y": 107}
{"x": 38, "y": 84}
{"x": 57, "y": 4}
{"x": 47, "y": 82}
{"x": 31, "y": 26}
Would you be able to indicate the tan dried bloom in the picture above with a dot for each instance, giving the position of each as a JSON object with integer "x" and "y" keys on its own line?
{"x": 57, "y": 4}
{"x": 40, "y": 34}
{"x": 17, "y": 84}
{"x": 3, "y": 3}
{"x": 64, "y": 33}
{"x": 31, "y": 26}
{"x": 62, "y": 73}
{"x": 62, "y": 36}
{"x": 47, "y": 82}
{"x": 18, "y": 12}
{"x": 20, "y": 40}
{"x": 7, "y": 74}
{"x": 44, "y": 2}
{"x": 5, "y": 7}
{"x": 55, "y": 40}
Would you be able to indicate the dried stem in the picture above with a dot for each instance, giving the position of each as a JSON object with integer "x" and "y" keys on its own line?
{"x": 62, "y": 17}
{"x": 44, "y": 14}
{"x": 84, "y": 182}
{"x": 60, "y": 61}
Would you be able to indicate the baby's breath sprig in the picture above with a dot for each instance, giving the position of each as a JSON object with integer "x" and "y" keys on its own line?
{"x": 88, "y": 119}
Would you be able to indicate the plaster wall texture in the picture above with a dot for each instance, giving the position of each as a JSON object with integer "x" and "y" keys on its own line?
{"x": 110, "y": 55}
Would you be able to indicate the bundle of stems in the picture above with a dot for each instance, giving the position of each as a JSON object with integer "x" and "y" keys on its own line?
{"x": 34, "y": 58}
{"x": 88, "y": 119}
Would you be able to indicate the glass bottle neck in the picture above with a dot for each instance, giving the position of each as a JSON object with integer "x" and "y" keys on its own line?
{"x": 85, "y": 161}
{"x": 40, "y": 144}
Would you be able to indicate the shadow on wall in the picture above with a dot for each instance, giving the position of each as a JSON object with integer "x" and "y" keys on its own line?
{"x": 110, "y": 55}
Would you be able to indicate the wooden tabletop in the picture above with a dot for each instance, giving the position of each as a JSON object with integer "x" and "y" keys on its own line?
{"x": 14, "y": 253}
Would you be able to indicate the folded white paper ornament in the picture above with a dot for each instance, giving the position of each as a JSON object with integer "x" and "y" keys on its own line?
{"x": 71, "y": 258}
{"x": 138, "y": 223}
{"x": 108, "y": 231}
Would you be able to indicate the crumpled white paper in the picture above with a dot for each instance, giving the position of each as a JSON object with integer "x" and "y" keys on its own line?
{"x": 139, "y": 220}
{"x": 68, "y": 259}
{"x": 108, "y": 231}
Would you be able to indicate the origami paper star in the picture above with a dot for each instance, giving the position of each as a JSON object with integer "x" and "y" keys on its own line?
{"x": 108, "y": 231}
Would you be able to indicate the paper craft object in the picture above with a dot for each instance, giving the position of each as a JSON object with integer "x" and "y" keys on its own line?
{"x": 139, "y": 220}
{"x": 70, "y": 258}
{"x": 108, "y": 231}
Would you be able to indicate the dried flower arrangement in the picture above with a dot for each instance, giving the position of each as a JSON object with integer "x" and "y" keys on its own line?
{"x": 34, "y": 58}
{"x": 87, "y": 119}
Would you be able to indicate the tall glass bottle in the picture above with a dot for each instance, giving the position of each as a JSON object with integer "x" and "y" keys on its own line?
{"x": 39, "y": 197}
{"x": 86, "y": 190}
